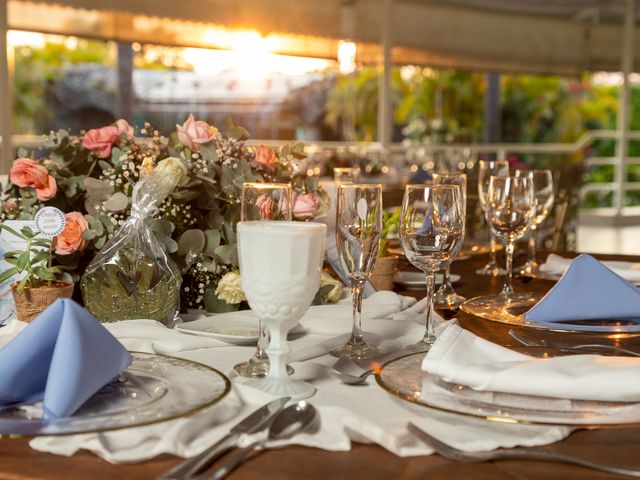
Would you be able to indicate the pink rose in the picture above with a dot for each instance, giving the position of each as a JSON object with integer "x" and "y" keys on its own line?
{"x": 193, "y": 133}
{"x": 265, "y": 156}
{"x": 48, "y": 191}
{"x": 27, "y": 173}
{"x": 266, "y": 206}
{"x": 101, "y": 140}
{"x": 70, "y": 239}
{"x": 305, "y": 206}
{"x": 123, "y": 127}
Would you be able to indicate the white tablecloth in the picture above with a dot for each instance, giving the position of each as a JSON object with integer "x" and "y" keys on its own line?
{"x": 364, "y": 413}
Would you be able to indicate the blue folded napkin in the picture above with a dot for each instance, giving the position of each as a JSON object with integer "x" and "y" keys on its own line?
{"x": 588, "y": 290}
{"x": 63, "y": 357}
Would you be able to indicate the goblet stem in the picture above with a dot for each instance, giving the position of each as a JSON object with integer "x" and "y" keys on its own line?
{"x": 356, "y": 332}
{"x": 278, "y": 352}
{"x": 532, "y": 246}
{"x": 263, "y": 340}
{"x": 429, "y": 333}
{"x": 508, "y": 285}
{"x": 493, "y": 262}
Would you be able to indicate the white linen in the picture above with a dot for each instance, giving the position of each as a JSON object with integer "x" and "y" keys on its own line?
{"x": 459, "y": 356}
{"x": 364, "y": 414}
{"x": 557, "y": 265}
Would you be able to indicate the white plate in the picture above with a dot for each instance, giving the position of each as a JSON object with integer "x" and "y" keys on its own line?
{"x": 238, "y": 328}
{"x": 417, "y": 280}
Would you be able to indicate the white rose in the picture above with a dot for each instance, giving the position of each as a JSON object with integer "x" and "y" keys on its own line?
{"x": 229, "y": 288}
{"x": 174, "y": 169}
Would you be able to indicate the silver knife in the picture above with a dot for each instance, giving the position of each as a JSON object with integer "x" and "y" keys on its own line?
{"x": 253, "y": 423}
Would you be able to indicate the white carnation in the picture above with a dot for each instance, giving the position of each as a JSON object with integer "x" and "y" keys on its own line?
{"x": 229, "y": 288}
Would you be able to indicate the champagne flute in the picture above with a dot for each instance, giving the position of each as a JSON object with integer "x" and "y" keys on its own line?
{"x": 446, "y": 294}
{"x": 543, "y": 191}
{"x": 432, "y": 232}
{"x": 487, "y": 169}
{"x": 511, "y": 206}
{"x": 264, "y": 202}
{"x": 358, "y": 226}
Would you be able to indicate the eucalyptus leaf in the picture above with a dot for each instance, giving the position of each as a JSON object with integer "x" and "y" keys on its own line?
{"x": 89, "y": 234}
{"x": 192, "y": 240}
{"x": 116, "y": 202}
{"x": 212, "y": 241}
{"x": 99, "y": 243}
{"x": 228, "y": 254}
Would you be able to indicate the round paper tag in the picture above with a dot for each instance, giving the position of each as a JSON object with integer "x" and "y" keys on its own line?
{"x": 49, "y": 221}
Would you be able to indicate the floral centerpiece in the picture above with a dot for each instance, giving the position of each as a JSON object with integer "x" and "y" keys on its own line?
{"x": 91, "y": 178}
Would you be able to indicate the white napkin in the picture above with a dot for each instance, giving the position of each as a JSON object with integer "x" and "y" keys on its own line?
{"x": 365, "y": 414}
{"x": 459, "y": 356}
{"x": 557, "y": 265}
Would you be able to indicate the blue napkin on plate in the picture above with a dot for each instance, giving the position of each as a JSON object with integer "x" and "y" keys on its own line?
{"x": 588, "y": 290}
{"x": 63, "y": 357}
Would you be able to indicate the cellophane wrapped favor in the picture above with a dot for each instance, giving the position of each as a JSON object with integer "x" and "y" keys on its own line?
{"x": 131, "y": 276}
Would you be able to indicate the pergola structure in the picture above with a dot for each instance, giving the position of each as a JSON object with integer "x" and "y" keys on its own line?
{"x": 565, "y": 37}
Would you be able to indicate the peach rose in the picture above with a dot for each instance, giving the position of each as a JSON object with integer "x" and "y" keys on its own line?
{"x": 265, "y": 156}
{"x": 101, "y": 140}
{"x": 193, "y": 133}
{"x": 48, "y": 191}
{"x": 27, "y": 173}
{"x": 305, "y": 206}
{"x": 124, "y": 128}
{"x": 71, "y": 240}
{"x": 266, "y": 206}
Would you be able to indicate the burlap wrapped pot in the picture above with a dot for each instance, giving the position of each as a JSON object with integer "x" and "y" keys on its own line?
{"x": 34, "y": 300}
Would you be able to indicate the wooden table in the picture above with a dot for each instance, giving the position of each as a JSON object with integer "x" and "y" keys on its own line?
{"x": 621, "y": 446}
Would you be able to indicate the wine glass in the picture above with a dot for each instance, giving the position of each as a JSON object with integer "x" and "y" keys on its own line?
{"x": 280, "y": 264}
{"x": 487, "y": 169}
{"x": 510, "y": 209}
{"x": 263, "y": 202}
{"x": 358, "y": 226}
{"x": 543, "y": 191}
{"x": 432, "y": 232}
{"x": 446, "y": 294}
{"x": 346, "y": 175}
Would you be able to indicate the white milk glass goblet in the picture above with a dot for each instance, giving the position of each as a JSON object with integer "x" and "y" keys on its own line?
{"x": 280, "y": 264}
{"x": 432, "y": 232}
{"x": 264, "y": 202}
{"x": 358, "y": 226}
{"x": 446, "y": 294}
{"x": 487, "y": 169}
{"x": 511, "y": 206}
{"x": 543, "y": 191}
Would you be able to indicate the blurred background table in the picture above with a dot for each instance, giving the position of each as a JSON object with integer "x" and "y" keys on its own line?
{"x": 18, "y": 461}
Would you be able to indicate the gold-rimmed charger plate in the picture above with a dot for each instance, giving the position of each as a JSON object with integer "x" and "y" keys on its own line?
{"x": 154, "y": 388}
{"x": 404, "y": 379}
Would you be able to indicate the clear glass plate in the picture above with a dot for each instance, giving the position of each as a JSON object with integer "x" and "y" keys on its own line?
{"x": 404, "y": 378}
{"x": 511, "y": 311}
{"x": 153, "y": 389}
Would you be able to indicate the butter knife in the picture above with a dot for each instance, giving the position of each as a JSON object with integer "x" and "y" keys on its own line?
{"x": 253, "y": 423}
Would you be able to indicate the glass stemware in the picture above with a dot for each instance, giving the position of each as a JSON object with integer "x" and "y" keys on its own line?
{"x": 446, "y": 294}
{"x": 510, "y": 208}
{"x": 432, "y": 232}
{"x": 543, "y": 191}
{"x": 487, "y": 169}
{"x": 358, "y": 225}
{"x": 265, "y": 202}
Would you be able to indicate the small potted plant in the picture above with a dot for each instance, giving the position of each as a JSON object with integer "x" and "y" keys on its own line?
{"x": 385, "y": 267}
{"x": 39, "y": 287}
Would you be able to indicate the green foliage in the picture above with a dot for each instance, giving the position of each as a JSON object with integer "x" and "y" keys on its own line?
{"x": 37, "y": 68}
{"x": 33, "y": 261}
{"x": 390, "y": 225}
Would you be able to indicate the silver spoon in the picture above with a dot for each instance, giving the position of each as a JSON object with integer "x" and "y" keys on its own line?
{"x": 291, "y": 421}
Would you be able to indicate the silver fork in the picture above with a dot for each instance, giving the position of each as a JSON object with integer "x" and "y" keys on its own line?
{"x": 456, "y": 455}
{"x": 529, "y": 342}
